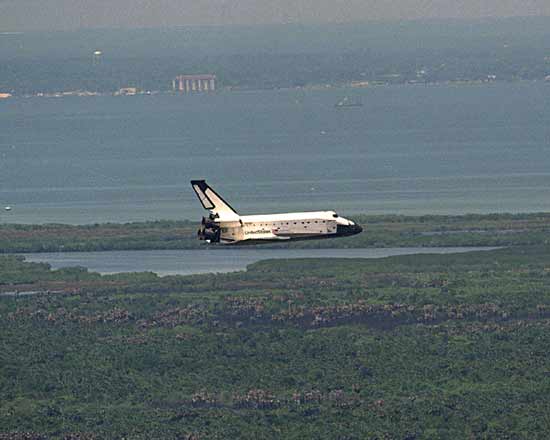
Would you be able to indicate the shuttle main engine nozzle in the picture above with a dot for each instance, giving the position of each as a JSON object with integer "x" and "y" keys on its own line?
{"x": 209, "y": 231}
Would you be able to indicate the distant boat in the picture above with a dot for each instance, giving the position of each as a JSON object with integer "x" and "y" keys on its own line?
{"x": 8, "y": 208}
{"x": 346, "y": 102}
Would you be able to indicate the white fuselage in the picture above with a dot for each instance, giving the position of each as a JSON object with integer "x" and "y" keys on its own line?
{"x": 279, "y": 227}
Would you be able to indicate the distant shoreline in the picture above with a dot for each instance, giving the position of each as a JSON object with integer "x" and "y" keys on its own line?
{"x": 350, "y": 85}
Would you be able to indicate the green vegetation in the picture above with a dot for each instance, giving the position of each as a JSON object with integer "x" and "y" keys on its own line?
{"x": 409, "y": 347}
{"x": 380, "y": 231}
{"x": 98, "y": 237}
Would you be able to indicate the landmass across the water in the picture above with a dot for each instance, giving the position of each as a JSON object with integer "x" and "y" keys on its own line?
{"x": 277, "y": 56}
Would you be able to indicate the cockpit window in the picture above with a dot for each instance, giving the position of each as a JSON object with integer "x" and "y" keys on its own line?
{"x": 335, "y": 215}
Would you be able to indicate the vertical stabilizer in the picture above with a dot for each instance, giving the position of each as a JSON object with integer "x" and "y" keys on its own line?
{"x": 212, "y": 201}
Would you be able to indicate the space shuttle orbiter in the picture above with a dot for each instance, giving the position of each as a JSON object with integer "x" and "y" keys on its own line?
{"x": 224, "y": 225}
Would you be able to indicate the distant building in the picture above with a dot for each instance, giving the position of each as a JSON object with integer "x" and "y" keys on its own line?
{"x": 127, "y": 91}
{"x": 194, "y": 83}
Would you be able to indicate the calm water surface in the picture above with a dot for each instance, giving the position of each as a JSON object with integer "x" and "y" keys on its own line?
{"x": 187, "y": 262}
{"x": 408, "y": 149}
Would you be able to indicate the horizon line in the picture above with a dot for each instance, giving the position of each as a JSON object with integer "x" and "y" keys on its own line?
{"x": 388, "y": 21}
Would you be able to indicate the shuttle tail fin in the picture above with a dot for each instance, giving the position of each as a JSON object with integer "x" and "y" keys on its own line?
{"x": 211, "y": 200}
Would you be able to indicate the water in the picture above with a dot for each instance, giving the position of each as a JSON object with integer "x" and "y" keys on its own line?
{"x": 409, "y": 149}
{"x": 187, "y": 262}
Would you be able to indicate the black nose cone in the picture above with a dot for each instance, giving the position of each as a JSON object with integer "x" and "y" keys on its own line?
{"x": 347, "y": 230}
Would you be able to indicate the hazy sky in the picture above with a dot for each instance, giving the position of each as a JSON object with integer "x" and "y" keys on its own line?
{"x": 22, "y": 15}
